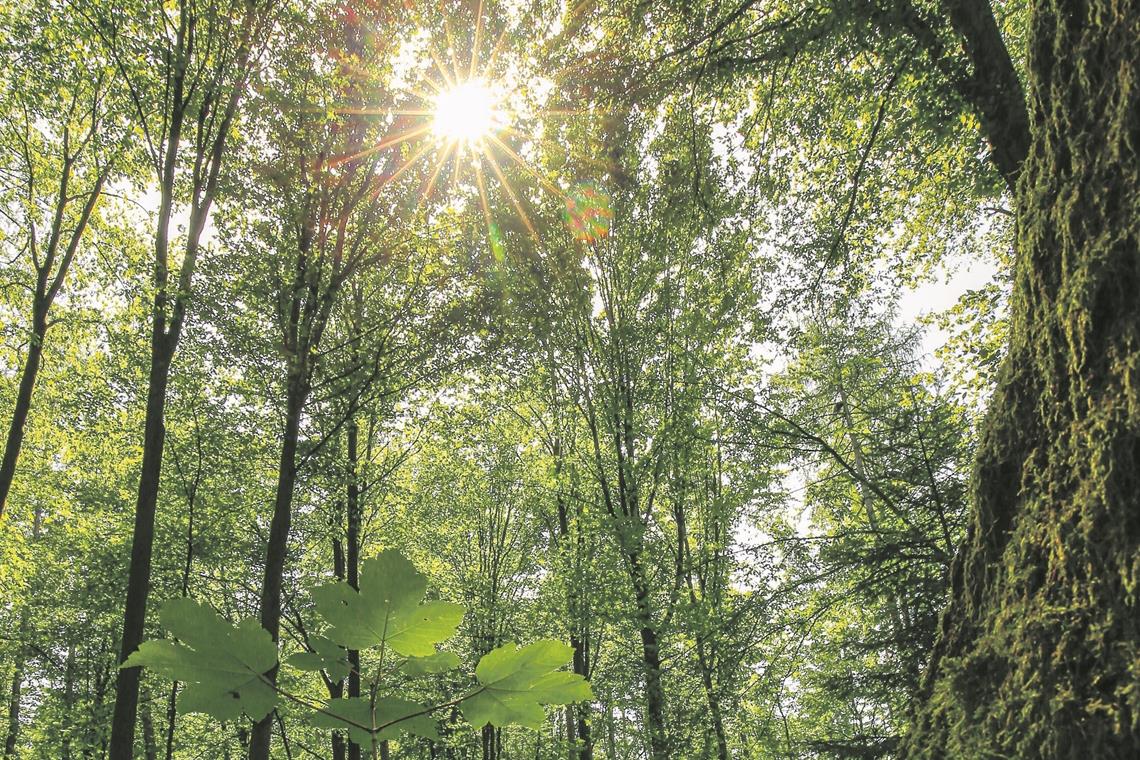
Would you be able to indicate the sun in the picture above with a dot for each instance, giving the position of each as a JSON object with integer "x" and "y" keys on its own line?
{"x": 465, "y": 113}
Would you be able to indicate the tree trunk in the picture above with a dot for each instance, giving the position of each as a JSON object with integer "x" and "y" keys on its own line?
{"x": 611, "y": 733}
{"x": 142, "y": 542}
{"x": 14, "y": 706}
{"x": 150, "y": 743}
{"x": 577, "y": 732}
{"x": 353, "y": 559}
{"x": 1039, "y": 650}
{"x": 68, "y": 702}
{"x": 651, "y": 662}
{"x": 278, "y": 544}
{"x": 584, "y": 745}
{"x": 715, "y": 716}
{"x": 15, "y": 437}
{"x": 336, "y": 688}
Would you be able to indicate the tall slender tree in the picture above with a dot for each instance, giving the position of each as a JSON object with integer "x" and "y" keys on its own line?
{"x": 195, "y": 65}
{"x": 58, "y": 154}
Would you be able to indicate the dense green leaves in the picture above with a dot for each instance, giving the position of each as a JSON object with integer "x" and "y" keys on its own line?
{"x": 516, "y": 682}
{"x": 221, "y": 664}
{"x": 668, "y": 440}
{"x": 387, "y": 609}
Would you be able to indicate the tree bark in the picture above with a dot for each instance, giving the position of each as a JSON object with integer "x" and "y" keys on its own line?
{"x": 142, "y": 545}
{"x": 1039, "y": 650}
{"x": 15, "y": 437}
{"x": 17, "y": 682}
{"x": 278, "y": 543}
{"x": 353, "y": 558}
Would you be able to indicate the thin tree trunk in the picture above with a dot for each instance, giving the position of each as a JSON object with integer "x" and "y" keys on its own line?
{"x": 68, "y": 702}
{"x": 278, "y": 544}
{"x": 353, "y": 558}
{"x": 171, "y": 719}
{"x": 715, "y": 714}
{"x": 50, "y": 276}
{"x": 150, "y": 744}
{"x": 14, "y": 705}
{"x": 651, "y": 661}
{"x": 15, "y": 437}
{"x": 1038, "y": 651}
{"x": 866, "y": 497}
{"x": 611, "y": 733}
{"x": 336, "y": 689}
{"x": 581, "y": 746}
{"x": 217, "y": 111}
{"x": 142, "y": 545}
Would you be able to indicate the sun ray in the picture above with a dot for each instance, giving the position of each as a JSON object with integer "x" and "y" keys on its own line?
{"x": 482, "y": 193}
{"x": 522, "y": 162}
{"x": 444, "y": 154}
{"x": 441, "y": 68}
{"x": 384, "y": 143}
{"x": 403, "y": 168}
{"x": 475, "y": 42}
{"x": 511, "y": 193}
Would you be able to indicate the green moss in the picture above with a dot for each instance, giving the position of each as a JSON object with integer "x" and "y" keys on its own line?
{"x": 1039, "y": 654}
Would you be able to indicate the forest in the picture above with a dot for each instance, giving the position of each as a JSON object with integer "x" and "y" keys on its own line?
{"x": 576, "y": 379}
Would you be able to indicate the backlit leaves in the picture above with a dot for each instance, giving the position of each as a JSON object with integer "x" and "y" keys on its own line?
{"x": 221, "y": 664}
{"x": 387, "y": 609}
{"x": 516, "y": 682}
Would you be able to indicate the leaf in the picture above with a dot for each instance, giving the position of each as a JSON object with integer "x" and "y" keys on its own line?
{"x": 220, "y": 664}
{"x": 354, "y": 715}
{"x": 439, "y": 662}
{"x": 326, "y": 656}
{"x": 387, "y": 609}
{"x": 516, "y": 682}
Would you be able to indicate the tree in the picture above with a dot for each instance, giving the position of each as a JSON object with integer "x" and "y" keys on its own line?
{"x": 196, "y": 71}
{"x": 62, "y": 139}
{"x": 1022, "y": 613}
{"x": 1037, "y": 651}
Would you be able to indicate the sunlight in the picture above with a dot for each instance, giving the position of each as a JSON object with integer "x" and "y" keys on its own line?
{"x": 465, "y": 113}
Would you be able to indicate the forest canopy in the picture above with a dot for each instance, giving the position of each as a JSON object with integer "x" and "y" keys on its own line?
{"x": 584, "y": 379}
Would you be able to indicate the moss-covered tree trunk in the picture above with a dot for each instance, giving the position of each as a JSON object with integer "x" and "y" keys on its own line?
{"x": 1039, "y": 652}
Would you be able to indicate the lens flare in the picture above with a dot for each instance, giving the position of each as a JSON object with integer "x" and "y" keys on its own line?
{"x": 588, "y": 212}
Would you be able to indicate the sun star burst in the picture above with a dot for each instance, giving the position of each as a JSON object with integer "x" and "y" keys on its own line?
{"x": 465, "y": 113}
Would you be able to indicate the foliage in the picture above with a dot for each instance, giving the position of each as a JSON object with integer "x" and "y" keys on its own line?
{"x": 225, "y": 666}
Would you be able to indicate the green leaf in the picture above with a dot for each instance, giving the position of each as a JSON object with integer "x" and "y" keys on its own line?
{"x": 439, "y": 662}
{"x": 354, "y": 715}
{"x": 326, "y": 656}
{"x": 516, "y": 682}
{"x": 220, "y": 664}
{"x": 387, "y": 609}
